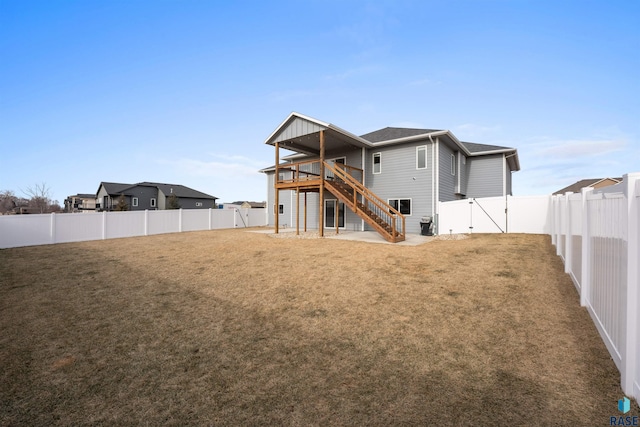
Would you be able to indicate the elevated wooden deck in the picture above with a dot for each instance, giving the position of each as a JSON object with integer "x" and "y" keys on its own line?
{"x": 345, "y": 183}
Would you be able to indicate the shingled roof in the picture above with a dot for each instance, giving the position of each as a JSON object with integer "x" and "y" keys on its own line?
{"x": 178, "y": 190}
{"x": 480, "y": 148}
{"x": 391, "y": 133}
{"x": 576, "y": 187}
{"x": 114, "y": 188}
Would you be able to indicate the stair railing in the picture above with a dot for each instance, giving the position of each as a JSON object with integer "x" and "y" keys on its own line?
{"x": 374, "y": 204}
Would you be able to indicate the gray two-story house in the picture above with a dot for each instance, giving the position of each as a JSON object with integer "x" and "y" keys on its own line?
{"x": 151, "y": 196}
{"x": 389, "y": 180}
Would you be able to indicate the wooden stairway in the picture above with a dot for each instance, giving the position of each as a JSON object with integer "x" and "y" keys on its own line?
{"x": 386, "y": 220}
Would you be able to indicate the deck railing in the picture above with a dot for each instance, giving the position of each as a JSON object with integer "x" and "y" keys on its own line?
{"x": 302, "y": 172}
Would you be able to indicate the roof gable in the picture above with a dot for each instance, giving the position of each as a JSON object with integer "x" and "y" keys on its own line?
{"x": 114, "y": 187}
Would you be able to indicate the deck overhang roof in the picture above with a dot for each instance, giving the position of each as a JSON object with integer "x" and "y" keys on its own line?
{"x": 301, "y": 134}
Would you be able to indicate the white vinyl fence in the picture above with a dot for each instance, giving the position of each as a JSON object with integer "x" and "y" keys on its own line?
{"x": 597, "y": 234}
{"x": 28, "y": 230}
{"x": 511, "y": 214}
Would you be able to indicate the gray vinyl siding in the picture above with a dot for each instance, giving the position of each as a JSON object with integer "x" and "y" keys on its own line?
{"x": 144, "y": 195}
{"x": 284, "y": 199}
{"x": 447, "y": 181}
{"x": 399, "y": 179}
{"x": 508, "y": 178}
{"x": 484, "y": 176}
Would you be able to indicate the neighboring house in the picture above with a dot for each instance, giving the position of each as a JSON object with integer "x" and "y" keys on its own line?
{"x": 387, "y": 180}
{"x": 576, "y": 187}
{"x": 80, "y": 203}
{"x": 250, "y": 205}
{"x": 150, "y": 195}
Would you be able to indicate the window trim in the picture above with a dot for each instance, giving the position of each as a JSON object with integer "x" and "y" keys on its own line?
{"x": 373, "y": 163}
{"x": 134, "y": 202}
{"x": 398, "y": 199}
{"x": 418, "y": 149}
{"x": 453, "y": 164}
{"x": 198, "y": 204}
{"x": 153, "y": 202}
{"x": 280, "y": 209}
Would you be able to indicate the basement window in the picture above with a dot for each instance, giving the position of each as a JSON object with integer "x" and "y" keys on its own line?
{"x": 401, "y": 205}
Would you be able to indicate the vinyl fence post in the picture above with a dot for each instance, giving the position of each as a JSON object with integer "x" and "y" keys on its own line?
{"x": 585, "y": 285}
{"x": 146, "y": 222}
{"x": 235, "y": 218}
{"x": 104, "y": 225}
{"x": 558, "y": 222}
{"x": 52, "y": 231}
{"x": 180, "y": 220}
{"x": 552, "y": 219}
{"x": 628, "y": 365}
{"x": 568, "y": 243}
{"x": 210, "y": 213}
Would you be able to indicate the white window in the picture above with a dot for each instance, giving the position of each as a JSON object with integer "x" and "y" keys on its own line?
{"x": 153, "y": 202}
{"x": 377, "y": 163}
{"x": 198, "y": 204}
{"x": 134, "y": 201}
{"x": 453, "y": 164}
{"x": 421, "y": 157}
{"x": 280, "y": 209}
{"x": 401, "y": 205}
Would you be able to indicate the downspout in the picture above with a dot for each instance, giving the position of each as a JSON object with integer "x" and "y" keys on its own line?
{"x": 504, "y": 191}
{"x": 434, "y": 183}
{"x": 504, "y": 185}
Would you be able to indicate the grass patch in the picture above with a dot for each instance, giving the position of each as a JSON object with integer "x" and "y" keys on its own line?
{"x": 231, "y": 327}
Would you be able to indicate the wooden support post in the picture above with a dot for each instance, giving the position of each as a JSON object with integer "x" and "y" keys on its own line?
{"x": 336, "y": 214}
{"x": 276, "y": 207}
{"x": 321, "y": 213}
{"x": 305, "y": 211}
{"x": 297, "y": 212}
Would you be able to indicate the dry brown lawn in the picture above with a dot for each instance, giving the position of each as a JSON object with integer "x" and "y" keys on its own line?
{"x": 237, "y": 328}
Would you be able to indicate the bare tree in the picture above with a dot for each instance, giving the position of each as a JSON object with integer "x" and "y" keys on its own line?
{"x": 40, "y": 198}
{"x": 8, "y": 201}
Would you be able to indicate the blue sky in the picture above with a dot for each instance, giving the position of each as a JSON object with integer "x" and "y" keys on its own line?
{"x": 186, "y": 92}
